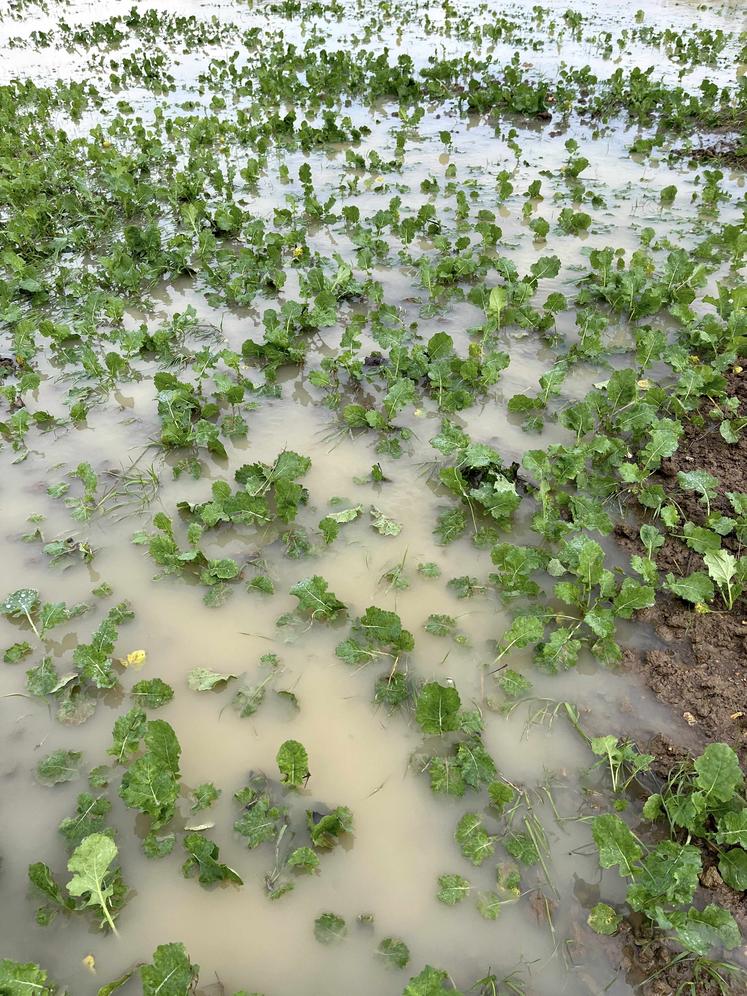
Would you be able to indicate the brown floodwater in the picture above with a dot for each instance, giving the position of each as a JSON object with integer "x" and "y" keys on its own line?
{"x": 360, "y": 755}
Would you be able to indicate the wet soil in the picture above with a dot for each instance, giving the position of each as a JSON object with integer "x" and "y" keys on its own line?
{"x": 701, "y": 669}
{"x": 724, "y": 153}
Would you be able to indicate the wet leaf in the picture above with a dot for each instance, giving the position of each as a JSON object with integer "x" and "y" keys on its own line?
{"x": 202, "y": 679}
{"x": 394, "y": 952}
{"x": 204, "y": 857}
{"x": 437, "y": 708}
{"x": 293, "y": 762}
{"x": 329, "y": 928}
{"x": 452, "y": 889}
{"x": 60, "y": 766}
{"x": 603, "y": 919}
{"x": 170, "y": 974}
{"x": 90, "y": 866}
{"x": 315, "y": 599}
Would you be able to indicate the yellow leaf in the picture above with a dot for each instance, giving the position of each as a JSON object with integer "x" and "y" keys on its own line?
{"x": 90, "y": 962}
{"x": 135, "y": 660}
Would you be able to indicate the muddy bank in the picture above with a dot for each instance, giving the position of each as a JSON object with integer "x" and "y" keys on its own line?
{"x": 701, "y": 672}
{"x": 701, "y": 669}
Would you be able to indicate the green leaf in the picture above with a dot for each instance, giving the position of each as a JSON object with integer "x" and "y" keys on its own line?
{"x": 23, "y": 979}
{"x": 112, "y": 987}
{"x": 489, "y": 905}
{"x": 522, "y": 847}
{"x": 90, "y": 863}
{"x": 475, "y": 844}
{"x": 161, "y": 743}
{"x": 16, "y": 652}
{"x": 170, "y": 974}
{"x": 732, "y": 828}
{"x": 440, "y": 625}
{"x": 498, "y": 497}
{"x": 616, "y": 844}
{"x": 522, "y": 631}
{"x": 382, "y": 524}
{"x": 330, "y": 524}
{"x": 437, "y": 708}
{"x": 732, "y": 867}
{"x": 376, "y": 628}
{"x": 329, "y": 928}
{"x": 701, "y": 540}
{"x": 151, "y": 784}
{"x": 722, "y": 566}
{"x": 604, "y": 920}
{"x": 90, "y": 817}
{"x": 202, "y": 679}
{"x": 430, "y": 982}
{"x": 559, "y": 652}
{"x": 446, "y": 776}
{"x": 155, "y": 847}
{"x": 326, "y": 830}
{"x": 60, "y": 766}
{"x": 718, "y": 773}
{"x": 496, "y": 303}
{"x": 204, "y": 796}
{"x": 698, "y": 480}
{"x": 429, "y": 570}
{"x": 500, "y": 795}
{"x": 394, "y": 952}
{"x": 203, "y": 856}
{"x": 475, "y": 763}
{"x": 452, "y": 889}
{"x": 315, "y": 599}
{"x": 152, "y": 694}
{"x": 293, "y": 762}
{"x": 631, "y": 597}
{"x": 128, "y": 731}
{"x": 303, "y": 859}
{"x": 464, "y": 587}
{"x": 669, "y": 873}
{"x": 701, "y": 930}
{"x": 399, "y": 396}
{"x": 514, "y": 685}
{"x": 41, "y": 876}
{"x": 696, "y": 587}
{"x": 20, "y": 603}
{"x": 43, "y": 679}
{"x": 259, "y": 823}
{"x": 450, "y": 525}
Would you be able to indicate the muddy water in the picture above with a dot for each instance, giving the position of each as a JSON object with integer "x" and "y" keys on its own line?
{"x": 360, "y": 756}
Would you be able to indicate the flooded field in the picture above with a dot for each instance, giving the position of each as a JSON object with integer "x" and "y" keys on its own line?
{"x": 371, "y": 431}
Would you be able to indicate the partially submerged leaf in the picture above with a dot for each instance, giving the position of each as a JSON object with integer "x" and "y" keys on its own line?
{"x": 204, "y": 857}
{"x": 60, "y": 766}
{"x": 293, "y": 762}
{"x": 202, "y": 679}
{"x": 329, "y": 928}
{"x": 171, "y": 972}
{"x": 437, "y": 708}
{"x": 394, "y": 952}
{"x": 603, "y": 919}
{"x": 90, "y": 866}
{"x": 315, "y": 599}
